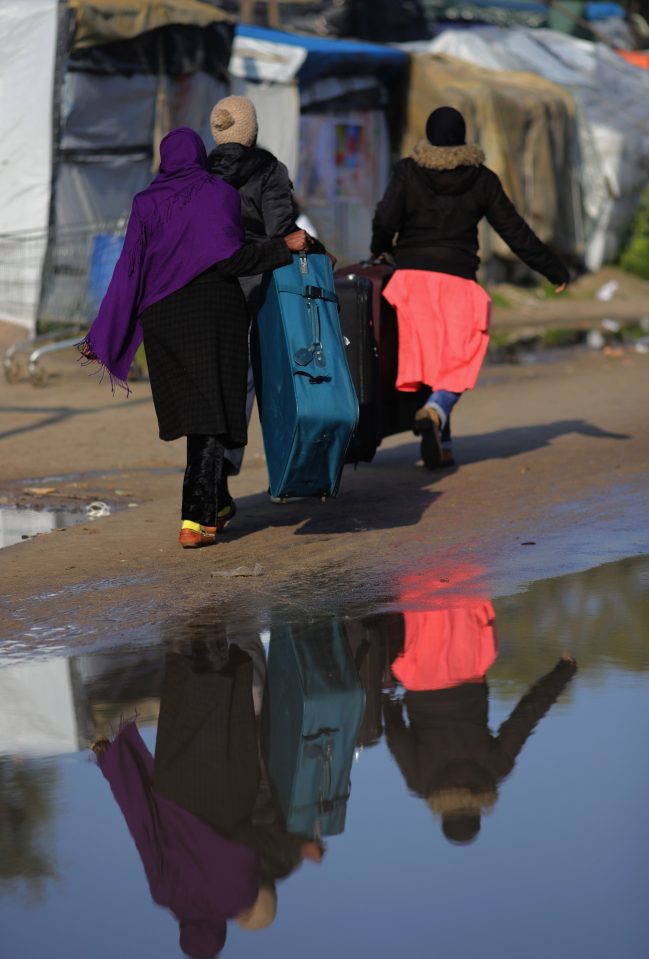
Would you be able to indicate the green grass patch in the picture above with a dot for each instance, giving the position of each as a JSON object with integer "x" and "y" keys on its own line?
{"x": 500, "y": 300}
{"x": 560, "y": 337}
{"x": 635, "y": 256}
{"x": 499, "y": 339}
{"x": 545, "y": 291}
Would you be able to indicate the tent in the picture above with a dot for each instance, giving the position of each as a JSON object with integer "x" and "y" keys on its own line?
{"x": 611, "y": 99}
{"x": 322, "y": 110}
{"x": 88, "y": 89}
{"x": 527, "y": 128}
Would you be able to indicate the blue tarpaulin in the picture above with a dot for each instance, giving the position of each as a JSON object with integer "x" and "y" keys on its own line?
{"x": 325, "y": 58}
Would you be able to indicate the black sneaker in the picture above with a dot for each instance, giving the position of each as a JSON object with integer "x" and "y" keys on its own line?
{"x": 427, "y": 425}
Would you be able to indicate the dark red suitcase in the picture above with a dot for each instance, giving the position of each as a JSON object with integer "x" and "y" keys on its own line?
{"x": 396, "y": 409}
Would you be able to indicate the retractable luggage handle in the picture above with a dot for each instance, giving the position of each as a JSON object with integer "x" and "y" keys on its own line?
{"x": 314, "y": 352}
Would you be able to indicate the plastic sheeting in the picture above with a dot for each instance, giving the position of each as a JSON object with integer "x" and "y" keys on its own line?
{"x": 527, "y": 128}
{"x": 611, "y": 98}
{"x": 344, "y": 166}
{"x": 106, "y": 21}
{"x": 109, "y": 112}
{"x": 262, "y": 54}
{"x": 27, "y": 54}
{"x": 37, "y": 709}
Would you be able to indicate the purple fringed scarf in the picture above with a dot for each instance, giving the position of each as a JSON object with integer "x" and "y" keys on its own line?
{"x": 202, "y": 877}
{"x": 183, "y": 223}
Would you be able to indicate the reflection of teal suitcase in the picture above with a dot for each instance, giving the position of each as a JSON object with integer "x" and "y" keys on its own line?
{"x": 307, "y": 401}
{"x": 313, "y": 707}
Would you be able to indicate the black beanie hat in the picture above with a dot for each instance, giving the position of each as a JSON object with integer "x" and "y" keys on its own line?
{"x": 445, "y": 127}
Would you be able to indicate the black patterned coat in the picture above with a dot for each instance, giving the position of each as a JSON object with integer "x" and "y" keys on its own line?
{"x": 196, "y": 343}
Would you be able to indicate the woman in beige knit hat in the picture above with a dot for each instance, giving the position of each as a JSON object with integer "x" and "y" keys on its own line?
{"x": 268, "y": 205}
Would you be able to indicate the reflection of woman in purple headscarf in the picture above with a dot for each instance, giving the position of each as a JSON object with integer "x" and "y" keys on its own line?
{"x": 203, "y": 878}
{"x": 199, "y": 813}
{"x": 175, "y": 285}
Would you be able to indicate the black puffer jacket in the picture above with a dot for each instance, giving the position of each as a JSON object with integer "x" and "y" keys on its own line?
{"x": 267, "y": 203}
{"x": 434, "y": 202}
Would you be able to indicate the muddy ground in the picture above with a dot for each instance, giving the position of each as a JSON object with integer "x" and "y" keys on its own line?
{"x": 553, "y": 464}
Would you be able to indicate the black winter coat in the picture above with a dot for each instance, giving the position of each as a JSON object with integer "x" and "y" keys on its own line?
{"x": 267, "y": 204}
{"x": 449, "y": 736}
{"x": 434, "y": 202}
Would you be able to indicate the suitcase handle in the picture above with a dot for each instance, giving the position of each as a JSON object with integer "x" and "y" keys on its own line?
{"x": 313, "y": 380}
{"x": 309, "y": 292}
{"x": 314, "y": 352}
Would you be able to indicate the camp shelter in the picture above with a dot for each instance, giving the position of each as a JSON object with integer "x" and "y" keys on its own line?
{"x": 58, "y": 705}
{"x": 89, "y": 88}
{"x": 503, "y": 13}
{"x": 611, "y": 98}
{"x": 322, "y": 110}
{"x": 527, "y": 128}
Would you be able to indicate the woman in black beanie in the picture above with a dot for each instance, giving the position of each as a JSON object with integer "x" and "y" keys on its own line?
{"x": 428, "y": 220}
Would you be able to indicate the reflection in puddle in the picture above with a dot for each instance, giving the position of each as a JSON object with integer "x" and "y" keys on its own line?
{"x": 446, "y": 751}
{"x": 17, "y": 524}
{"x": 266, "y": 781}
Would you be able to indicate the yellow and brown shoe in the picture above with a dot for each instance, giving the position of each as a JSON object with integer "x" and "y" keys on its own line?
{"x": 192, "y": 535}
{"x": 427, "y": 425}
{"x": 225, "y": 514}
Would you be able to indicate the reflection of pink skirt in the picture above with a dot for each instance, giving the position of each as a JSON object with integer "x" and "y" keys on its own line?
{"x": 443, "y": 329}
{"x": 447, "y": 647}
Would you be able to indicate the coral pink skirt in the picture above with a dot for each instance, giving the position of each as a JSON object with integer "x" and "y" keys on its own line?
{"x": 443, "y": 329}
{"x": 447, "y": 647}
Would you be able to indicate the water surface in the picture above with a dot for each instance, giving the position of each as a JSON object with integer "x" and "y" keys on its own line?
{"x": 496, "y": 804}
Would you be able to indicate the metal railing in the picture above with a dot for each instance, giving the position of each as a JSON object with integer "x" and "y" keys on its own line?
{"x": 54, "y": 280}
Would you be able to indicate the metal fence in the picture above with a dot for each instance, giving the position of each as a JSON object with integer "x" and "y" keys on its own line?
{"x": 57, "y": 276}
{"x": 52, "y": 282}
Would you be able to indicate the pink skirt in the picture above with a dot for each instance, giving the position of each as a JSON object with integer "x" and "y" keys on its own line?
{"x": 443, "y": 329}
{"x": 447, "y": 647}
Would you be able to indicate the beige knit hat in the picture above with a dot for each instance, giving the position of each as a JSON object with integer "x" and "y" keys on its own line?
{"x": 234, "y": 120}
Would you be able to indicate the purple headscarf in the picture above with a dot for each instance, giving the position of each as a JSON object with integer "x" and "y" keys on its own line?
{"x": 202, "y": 877}
{"x": 184, "y": 222}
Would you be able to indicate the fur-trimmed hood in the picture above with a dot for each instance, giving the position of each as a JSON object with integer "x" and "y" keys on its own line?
{"x": 446, "y": 158}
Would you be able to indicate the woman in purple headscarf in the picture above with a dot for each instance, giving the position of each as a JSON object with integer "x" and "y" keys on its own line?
{"x": 175, "y": 287}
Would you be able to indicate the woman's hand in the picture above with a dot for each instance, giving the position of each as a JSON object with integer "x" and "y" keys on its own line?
{"x": 560, "y": 288}
{"x": 100, "y": 746}
{"x": 312, "y": 850}
{"x": 297, "y": 242}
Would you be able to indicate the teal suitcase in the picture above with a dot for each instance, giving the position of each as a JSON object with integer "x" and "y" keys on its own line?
{"x": 313, "y": 708}
{"x": 307, "y": 402}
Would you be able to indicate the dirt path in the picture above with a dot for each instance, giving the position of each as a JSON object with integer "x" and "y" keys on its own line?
{"x": 555, "y": 454}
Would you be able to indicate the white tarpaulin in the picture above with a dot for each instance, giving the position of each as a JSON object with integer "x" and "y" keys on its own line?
{"x": 268, "y": 61}
{"x": 37, "y": 709}
{"x": 611, "y": 98}
{"x": 27, "y": 50}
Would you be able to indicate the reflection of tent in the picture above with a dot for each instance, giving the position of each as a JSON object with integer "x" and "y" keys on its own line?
{"x": 526, "y": 126}
{"x": 611, "y": 97}
{"x": 37, "y": 709}
{"x": 59, "y": 705}
{"x": 89, "y": 88}
{"x": 321, "y": 106}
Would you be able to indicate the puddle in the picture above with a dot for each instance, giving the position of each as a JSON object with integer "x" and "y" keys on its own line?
{"x": 473, "y": 791}
{"x": 18, "y": 524}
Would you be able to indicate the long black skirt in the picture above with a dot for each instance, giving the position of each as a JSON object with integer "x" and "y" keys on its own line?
{"x": 196, "y": 343}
